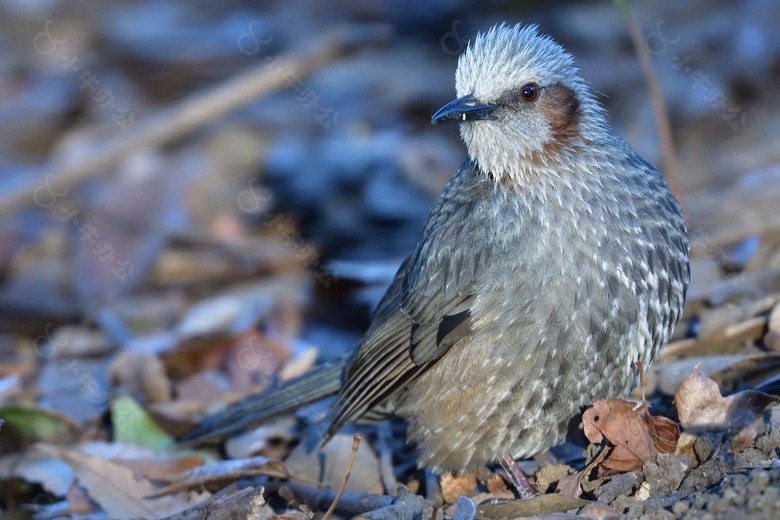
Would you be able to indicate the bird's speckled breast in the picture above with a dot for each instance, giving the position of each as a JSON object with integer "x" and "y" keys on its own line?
{"x": 576, "y": 285}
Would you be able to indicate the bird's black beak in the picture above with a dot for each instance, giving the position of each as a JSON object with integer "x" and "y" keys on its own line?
{"x": 464, "y": 109}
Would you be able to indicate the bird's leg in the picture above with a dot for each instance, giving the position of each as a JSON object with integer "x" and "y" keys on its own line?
{"x": 518, "y": 478}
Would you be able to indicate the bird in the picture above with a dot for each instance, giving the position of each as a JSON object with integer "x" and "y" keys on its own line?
{"x": 554, "y": 259}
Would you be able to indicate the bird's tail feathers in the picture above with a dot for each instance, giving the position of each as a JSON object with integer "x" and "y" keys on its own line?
{"x": 316, "y": 384}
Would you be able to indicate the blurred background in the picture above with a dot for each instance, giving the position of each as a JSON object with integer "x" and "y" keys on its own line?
{"x": 217, "y": 194}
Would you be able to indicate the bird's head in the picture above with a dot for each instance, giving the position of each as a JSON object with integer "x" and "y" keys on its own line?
{"x": 520, "y": 102}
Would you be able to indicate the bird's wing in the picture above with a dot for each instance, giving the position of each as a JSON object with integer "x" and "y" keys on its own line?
{"x": 425, "y": 311}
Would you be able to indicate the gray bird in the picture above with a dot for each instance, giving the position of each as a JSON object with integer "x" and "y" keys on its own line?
{"x": 554, "y": 259}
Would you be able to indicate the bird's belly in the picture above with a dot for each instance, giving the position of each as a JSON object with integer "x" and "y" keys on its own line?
{"x": 549, "y": 335}
{"x": 492, "y": 395}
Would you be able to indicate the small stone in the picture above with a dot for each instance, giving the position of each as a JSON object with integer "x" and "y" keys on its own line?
{"x": 619, "y": 485}
{"x": 774, "y": 416}
{"x": 774, "y": 318}
{"x": 760, "y": 479}
{"x": 719, "y": 504}
{"x": 699, "y": 502}
{"x": 772, "y": 340}
{"x": 628, "y": 507}
{"x": 705, "y": 444}
{"x": 597, "y": 511}
{"x": 730, "y": 495}
{"x": 769, "y": 443}
{"x": 667, "y": 472}
{"x": 680, "y": 508}
{"x": 659, "y": 514}
{"x": 549, "y": 475}
{"x": 710, "y": 473}
{"x": 643, "y": 493}
{"x": 750, "y": 457}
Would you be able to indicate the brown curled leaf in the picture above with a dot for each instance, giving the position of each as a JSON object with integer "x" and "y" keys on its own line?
{"x": 703, "y": 410}
{"x": 622, "y": 424}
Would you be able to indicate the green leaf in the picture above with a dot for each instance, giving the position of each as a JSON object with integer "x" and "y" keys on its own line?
{"x": 622, "y": 5}
{"x": 132, "y": 425}
{"x": 38, "y": 423}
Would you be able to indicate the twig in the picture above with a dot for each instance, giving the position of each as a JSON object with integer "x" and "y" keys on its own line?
{"x": 728, "y": 341}
{"x": 63, "y": 172}
{"x": 363, "y": 505}
{"x": 318, "y": 498}
{"x": 641, "y": 369}
{"x": 518, "y": 478}
{"x": 355, "y": 445}
{"x": 405, "y": 505}
{"x": 239, "y": 504}
{"x": 385, "y": 460}
{"x": 671, "y": 165}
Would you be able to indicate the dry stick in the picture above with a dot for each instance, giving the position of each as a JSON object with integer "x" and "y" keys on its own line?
{"x": 671, "y": 165}
{"x": 355, "y": 445}
{"x": 192, "y": 113}
{"x": 641, "y": 369}
{"x": 318, "y": 498}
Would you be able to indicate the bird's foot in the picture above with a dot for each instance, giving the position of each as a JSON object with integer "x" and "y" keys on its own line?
{"x": 518, "y": 478}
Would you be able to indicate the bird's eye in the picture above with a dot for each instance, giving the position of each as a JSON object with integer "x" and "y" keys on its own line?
{"x": 530, "y": 92}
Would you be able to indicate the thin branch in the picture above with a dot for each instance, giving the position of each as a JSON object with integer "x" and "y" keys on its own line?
{"x": 355, "y": 445}
{"x": 664, "y": 126}
{"x": 166, "y": 126}
{"x": 641, "y": 369}
{"x": 318, "y": 498}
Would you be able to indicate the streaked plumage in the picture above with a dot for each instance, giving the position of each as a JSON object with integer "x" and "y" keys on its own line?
{"x": 554, "y": 259}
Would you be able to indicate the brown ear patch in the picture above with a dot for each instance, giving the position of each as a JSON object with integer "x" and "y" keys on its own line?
{"x": 561, "y": 107}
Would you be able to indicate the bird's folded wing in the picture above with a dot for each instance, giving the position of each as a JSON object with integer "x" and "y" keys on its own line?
{"x": 424, "y": 313}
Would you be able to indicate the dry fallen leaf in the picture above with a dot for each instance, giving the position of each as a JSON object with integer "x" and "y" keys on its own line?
{"x": 572, "y": 485}
{"x": 78, "y": 501}
{"x": 664, "y": 432}
{"x": 636, "y": 435}
{"x": 702, "y": 409}
{"x": 157, "y": 468}
{"x": 496, "y": 484}
{"x": 223, "y": 471}
{"x": 454, "y": 486}
{"x": 633, "y": 437}
{"x": 115, "y": 488}
{"x": 549, "y": 475}
{"x": 772, "y": 337}
{"x": 141, "y": 374}
{"x": 622, "y": 425}
{"x": 328, "y": 465}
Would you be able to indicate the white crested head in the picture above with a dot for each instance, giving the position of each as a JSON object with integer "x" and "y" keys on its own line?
{"x": 506, "y": 57}
{"x": 542, "y": 107}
